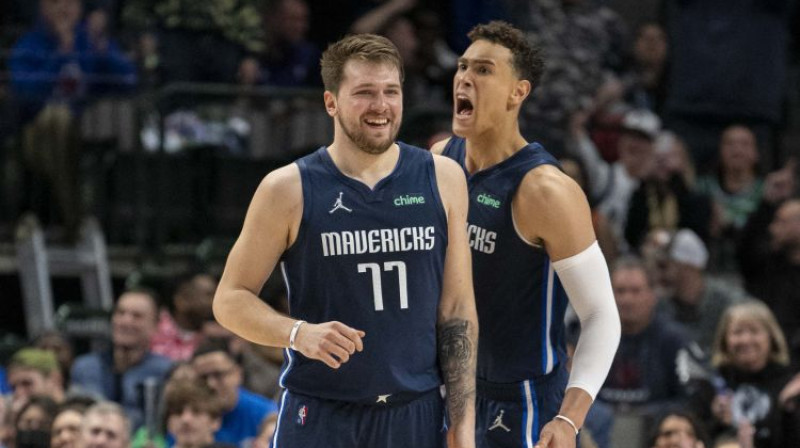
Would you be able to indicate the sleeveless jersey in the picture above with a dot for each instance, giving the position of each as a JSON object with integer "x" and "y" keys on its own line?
{"x": 520, "y": 301}
{"x": 372, "y": 259}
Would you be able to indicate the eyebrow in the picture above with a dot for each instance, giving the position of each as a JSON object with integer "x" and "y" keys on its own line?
{"x": 477, "y": 61}
{"x": 370, "y": 85}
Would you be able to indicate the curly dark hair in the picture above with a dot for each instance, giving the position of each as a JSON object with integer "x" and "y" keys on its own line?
{"x": 527, "y": 58}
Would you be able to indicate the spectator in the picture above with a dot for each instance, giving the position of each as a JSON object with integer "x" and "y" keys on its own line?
{"x": 105, "y": 425}
{"x": 665, "y": 198}
{"x": 33, "y": 422}
{"x": 155, "y": 435}
{"x": 290, "y": 59}
{"x": 119, "y": 374}
{"x": 198, "y": 41}
{"x": 242, "y": 411}
{"x": 54, "y": 68}
{"x": 6, "y": 433}
{"x": 179, "y": 333}
{"x": 711, "y": 86}
{"x": 678, "y": 429}
{"x": 66, "y": 428}
{"x": 33, "y": 371}
{"x": 192, "y": 414}
{"x": 605, "y": 236}
{"x": 697, "y": 302}
{"x": 611, "y": 185}
{"x": 769, "y": 254}
{"x": 61, "y": 346}
{"x": 645, "y": 84}
{"x": 752, "y": 360}
{"x": 585, "y": 45}
{"x": 736, "y": 188}
{"x": 643, "y": 376}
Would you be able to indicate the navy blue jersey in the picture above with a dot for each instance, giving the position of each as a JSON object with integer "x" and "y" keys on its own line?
{"x": 520, "y": 301}
{"x": 372, "y": 259}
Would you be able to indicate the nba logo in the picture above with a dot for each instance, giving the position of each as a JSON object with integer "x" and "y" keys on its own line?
{"x": 301, "y": 415}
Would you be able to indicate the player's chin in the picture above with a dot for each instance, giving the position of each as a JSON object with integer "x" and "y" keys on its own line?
{"x": 461, "y": 129}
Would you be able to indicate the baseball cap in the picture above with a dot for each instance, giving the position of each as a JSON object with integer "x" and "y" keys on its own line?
{"x": 688, "y": 248}
{"x": 642, "y": 122}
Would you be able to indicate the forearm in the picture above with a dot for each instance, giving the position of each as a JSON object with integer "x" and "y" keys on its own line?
{"x": 458, "y": 344}
{"x": 243, "y": 313}
{"x": 576, "y": 405}
{"x": 598, "y": 170}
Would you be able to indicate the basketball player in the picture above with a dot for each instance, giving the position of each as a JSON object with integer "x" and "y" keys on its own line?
{"x": 371, "y": 238}
{"x": 531, "y": 237}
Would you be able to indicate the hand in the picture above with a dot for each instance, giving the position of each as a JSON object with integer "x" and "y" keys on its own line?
{"x": 329, "y": 342}
{"x": 97, "y": 26}
{"x": 789, "y": 393}
{"x": 66, "y": 36}
{"x": 403, "y": 5}
{"x": 721, "y": 408}
{"x": 556, "y": 434}
{"x": 779, "y": 185}
{"x": 249, "y": 72}
{"x": 578, "y": 122}
{"x": 745, "y": 433}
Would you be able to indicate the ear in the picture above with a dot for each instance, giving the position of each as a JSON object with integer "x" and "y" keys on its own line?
{"x": 330, "y": 103}
{"x": 521, "y": 91}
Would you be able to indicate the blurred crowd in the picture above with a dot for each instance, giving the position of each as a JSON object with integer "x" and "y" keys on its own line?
{"x": 679, "y": 118}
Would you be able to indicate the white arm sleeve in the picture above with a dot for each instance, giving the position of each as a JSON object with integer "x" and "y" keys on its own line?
{"x": 588, "y": 285}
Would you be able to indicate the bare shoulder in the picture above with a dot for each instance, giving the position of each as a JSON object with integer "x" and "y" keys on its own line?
{"x": 279, "y": 197}
{"x": 439, "y": 146}
{"x": 451, "y": 181}
{"x": 546, "y": 185}
{"x": 284, "y": 182}
{"x": 551, "y": 209}
{"x": 448, "y": 167}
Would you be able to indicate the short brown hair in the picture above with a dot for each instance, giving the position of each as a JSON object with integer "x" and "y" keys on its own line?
{"x": 362, "y": 47}
{"x": 193, "y": 395}
{"x": 526, "y": 58}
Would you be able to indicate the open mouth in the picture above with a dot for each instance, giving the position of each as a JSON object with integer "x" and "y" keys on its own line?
{"x": 463, "y": 106}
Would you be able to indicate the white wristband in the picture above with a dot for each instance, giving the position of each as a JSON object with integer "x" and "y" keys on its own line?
{"x": 569, "y": 421}
{"x": 293, "y": 333}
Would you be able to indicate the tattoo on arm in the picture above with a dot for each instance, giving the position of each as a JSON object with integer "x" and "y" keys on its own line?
{"x": 457, "y": 356}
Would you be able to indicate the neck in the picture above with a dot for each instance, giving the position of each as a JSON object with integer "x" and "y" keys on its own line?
{"x": 493, "y": 146}
{"x": 126, "y": 357}
{"x": 793, "y": 255}
{"x": 359, "y": 165}
{"x": 634, "y": 328}
{"x": 737, "y": 180}
{"x": 198, "y": 444}
{"x": 690, "y": 291}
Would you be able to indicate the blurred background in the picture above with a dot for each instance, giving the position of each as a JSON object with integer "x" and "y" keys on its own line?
{"x": 134, "y": 132}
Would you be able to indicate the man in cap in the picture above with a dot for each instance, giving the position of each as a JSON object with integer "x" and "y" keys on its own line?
{"x": 696, "y": 300}
{"x": 612, "y": 184}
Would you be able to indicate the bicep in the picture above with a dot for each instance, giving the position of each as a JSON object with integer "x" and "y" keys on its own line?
{"x": 265, "y": 236}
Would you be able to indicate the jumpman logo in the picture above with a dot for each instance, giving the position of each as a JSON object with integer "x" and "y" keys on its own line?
{"x": 498, "y": 422}
{"x": 339, "y": 205}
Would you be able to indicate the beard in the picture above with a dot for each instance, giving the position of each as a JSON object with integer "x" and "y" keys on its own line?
{"x": 366, "y": 144}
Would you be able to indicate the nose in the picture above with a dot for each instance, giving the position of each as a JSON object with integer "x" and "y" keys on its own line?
{"x": 463, "y": 78}
{"x": 379, "y": 103}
